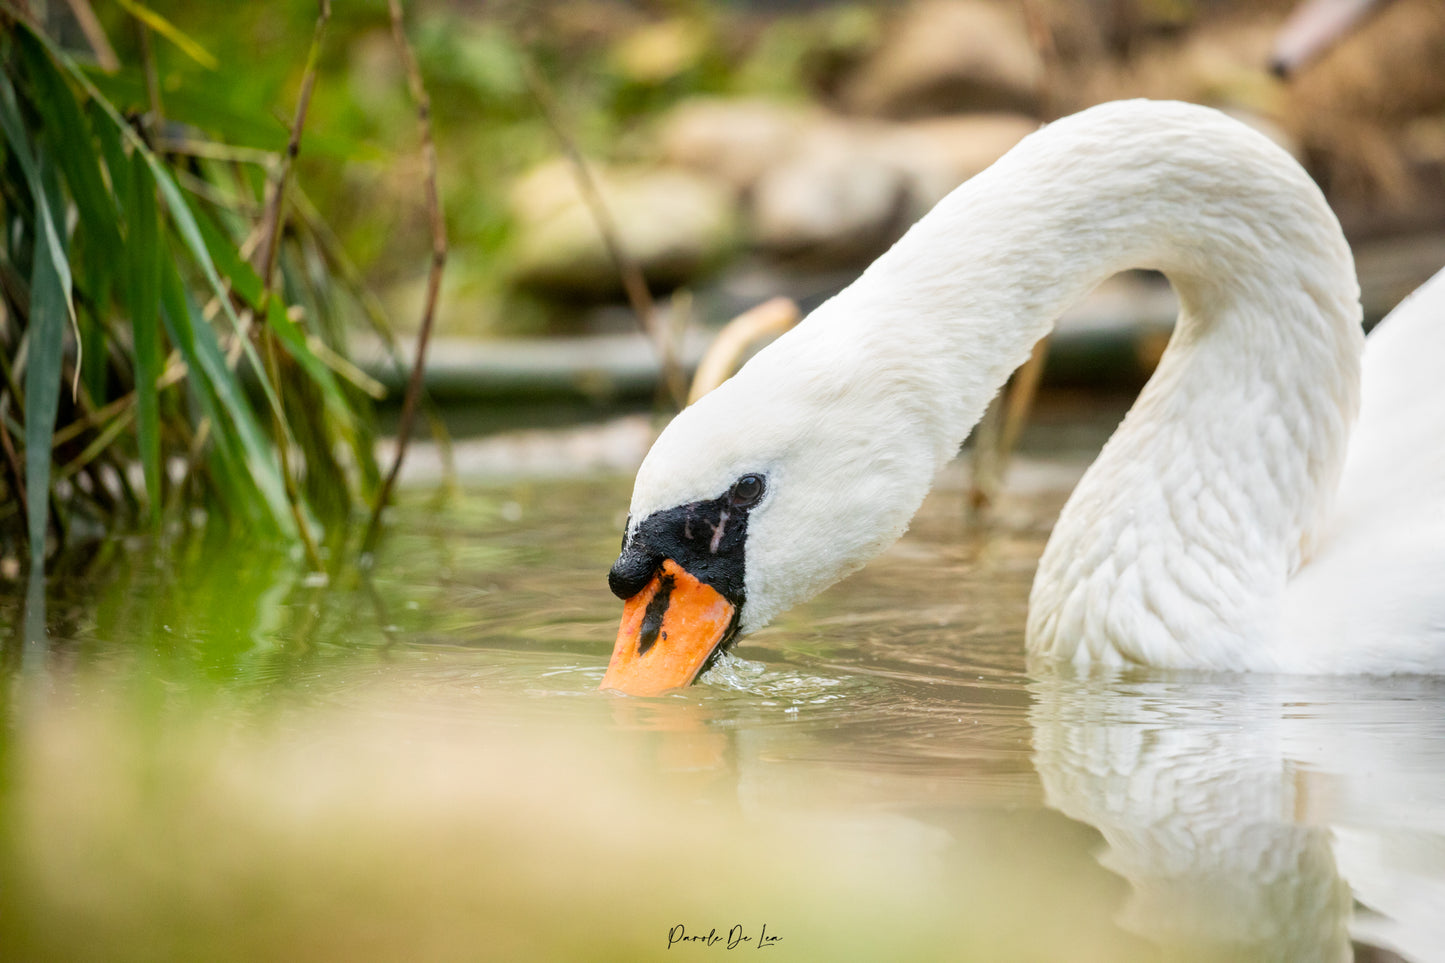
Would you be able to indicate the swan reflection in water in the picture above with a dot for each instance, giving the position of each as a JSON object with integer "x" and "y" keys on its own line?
{"x": 1242, "y": 818}
{"x": 1267, "y": 818}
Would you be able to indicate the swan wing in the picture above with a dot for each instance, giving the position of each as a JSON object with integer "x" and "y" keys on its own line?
{"x": 1374, "y": 591}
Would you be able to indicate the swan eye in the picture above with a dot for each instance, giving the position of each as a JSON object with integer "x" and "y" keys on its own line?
{"x": 746, "y": 491}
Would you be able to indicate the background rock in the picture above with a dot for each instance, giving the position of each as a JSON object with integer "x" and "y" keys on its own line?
{"x": 938, "y": 154}
{"x": 945, "y": 56}
{"x": 732, "y": 139}
{"x": 674, "y": 223}
{"x": 833, "y": 201}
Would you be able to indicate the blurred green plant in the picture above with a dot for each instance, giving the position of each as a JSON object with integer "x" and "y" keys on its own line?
{"x": 144, "y": 271}
{"x": 615, "y": 68}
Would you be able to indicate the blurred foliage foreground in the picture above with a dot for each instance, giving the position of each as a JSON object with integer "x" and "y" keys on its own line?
{"x": 171, "y": 336}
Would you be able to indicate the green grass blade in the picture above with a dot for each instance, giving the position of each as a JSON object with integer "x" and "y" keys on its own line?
{"x": 207, "y": 363}
{"x": 110, "y": 146}
{"x": 247, "y": 283}
{"x": 65, "y": 127}
{"x": 294, "y": 339}
{"x": 66, "y": 132}
{"x": 229, "y": 480}
{"x": 180, "y": 212}
{"x": 244, "y": 279}
{"x": 144, "y": 252}
{"x": 47, "y": 228}
{"x": 42, "y": 390}
{"x": 190, "y": 234}
{"x": 50, "y": 308}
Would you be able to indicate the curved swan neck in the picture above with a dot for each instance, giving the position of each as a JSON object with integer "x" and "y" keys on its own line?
{"x": 1233, "y": 221}
{"x": 1197, "y": 511}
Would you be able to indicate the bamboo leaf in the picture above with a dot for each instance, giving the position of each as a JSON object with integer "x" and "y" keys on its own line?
{"x": 144, "y": 244}
{"x": 144, "y": 252}
{"x": 244, "y": 279}
{"x": 294, "y": 339}
{"x": 65, "y": 129}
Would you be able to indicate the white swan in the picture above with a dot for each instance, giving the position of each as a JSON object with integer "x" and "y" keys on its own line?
{"x": 1226, "y": 525}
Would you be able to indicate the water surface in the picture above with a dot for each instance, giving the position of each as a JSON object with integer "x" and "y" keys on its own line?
{"x": 210, "y": 754}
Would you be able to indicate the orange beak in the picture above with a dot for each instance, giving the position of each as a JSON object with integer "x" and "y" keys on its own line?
{"x": 668, "y": 631}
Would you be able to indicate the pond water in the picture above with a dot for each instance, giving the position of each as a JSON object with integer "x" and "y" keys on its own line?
{"x": 208, "y": 755}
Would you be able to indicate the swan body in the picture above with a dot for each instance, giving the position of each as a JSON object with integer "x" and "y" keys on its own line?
{"x": 1230, "y": 523}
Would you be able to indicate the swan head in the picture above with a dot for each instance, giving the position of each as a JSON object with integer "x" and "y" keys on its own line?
{"x": 764, "y": 492}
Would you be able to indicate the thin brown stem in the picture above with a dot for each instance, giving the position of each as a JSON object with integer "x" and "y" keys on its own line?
{"x": 91, "y": 416}
{"x": 634, "y": 283}
{"x": 272, "y": 222}
{"x": 371, "y": 307}
{"x": 267, "y": 253}
{"x": 97, "y": 447}
{"x": 89, "y": 25}
{"x": 153, "y": 82}
{"x": 434, "y": 275}
{"x": 283, "y": 450}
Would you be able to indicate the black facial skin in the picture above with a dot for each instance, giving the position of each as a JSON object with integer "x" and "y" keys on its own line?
{"x": 705, "y": 538}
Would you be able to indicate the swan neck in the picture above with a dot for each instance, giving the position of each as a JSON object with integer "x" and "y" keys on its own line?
{"x": 1208, "y": 496}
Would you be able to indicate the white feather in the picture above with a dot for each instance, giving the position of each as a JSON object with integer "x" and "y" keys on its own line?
{"x": 1206, "y": 534}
